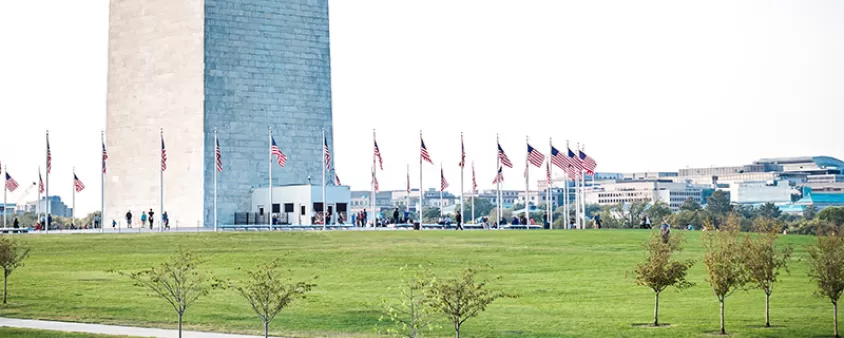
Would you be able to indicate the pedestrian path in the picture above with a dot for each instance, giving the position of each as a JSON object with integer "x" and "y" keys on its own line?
{"x": 111, "y": 329}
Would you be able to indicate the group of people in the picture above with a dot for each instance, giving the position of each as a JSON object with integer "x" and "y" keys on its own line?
{"x": 145, "y": 217}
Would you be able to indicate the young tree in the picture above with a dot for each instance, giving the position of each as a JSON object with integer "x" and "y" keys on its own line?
{"x": 410, "y": 315}
{"x": 719, "y": 203}
{"x": 690, "y": 204}
{"x": 462, "y": 298}
{"x": 12, "y": 255}
{"x": 268, "y": 292}
{"x": 178, "y": 281}
{"x": 660, "y": 270}
{"x": 763, "y": 261}
{"x": 826, "y": 267}
{"x": 723, "y": 260}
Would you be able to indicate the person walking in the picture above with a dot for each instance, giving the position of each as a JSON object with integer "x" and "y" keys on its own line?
{"x": 96, "y": 221}
{"x": 113, "y": 224}
{"x": 16, "y": 224}
{"x": 151, "y": 218}
{"x": 129, "y": 218}
{"x": 166, "y": 220}
{"x": 459, "y": 218}
{"x": 396, "y": 216}
{"x": 143, "y": 218}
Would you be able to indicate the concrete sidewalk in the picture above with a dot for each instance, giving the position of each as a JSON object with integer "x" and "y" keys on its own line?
{"x": 111, "y": 329}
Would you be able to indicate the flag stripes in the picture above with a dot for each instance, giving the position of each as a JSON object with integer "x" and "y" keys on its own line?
{"x": 77, "y": 184}
{"x": 218, "y": 155}
{"x": 535, "y": 157}
{"x": 11, "y": 184}
{"x": 326, "y": 153}
{"x": 163, "y": 155}
{"x": 105, "y": 157}
{"x": 280, "y": 157}
{"x": 499, "y": 178}
{"x": 503, "y": 157}
{"x": 378, "y": 155}
{"x": 558, "y": 159}
{"x": 424, "y": 152}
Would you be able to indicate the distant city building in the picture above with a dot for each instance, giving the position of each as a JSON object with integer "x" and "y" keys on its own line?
{"x": 777, "y": 192}
{"x": 57, "y": 207}
{"x": 672, "y": 193}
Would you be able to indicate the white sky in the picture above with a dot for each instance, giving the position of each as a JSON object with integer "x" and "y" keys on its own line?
{"x": 645, "y": 85}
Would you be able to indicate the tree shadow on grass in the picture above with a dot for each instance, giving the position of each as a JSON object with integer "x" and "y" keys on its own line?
{"x": 651, "y": 325}
{"x": 765, "y": 327}
{"x": 717, "y": 333}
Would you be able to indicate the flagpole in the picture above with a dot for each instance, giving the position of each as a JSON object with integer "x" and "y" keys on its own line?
{"x": 73, "y": 207}
{"x": 498, "y": 186}
{"x": 270, "y": 185}
{"x": 372, "y": 183}
{"x": 5, "y": 181}
{"x": 324, "y": 205}
{"x": 421, "y": 193}
{"x": 407, "y": 196}
{"x": 527, "y": 185}
{"x": 442, "y": 178}
{"x": 161, "y": 185}
{"x": 38, "y": 204}
{"x": 473, "y": 192}
{"x": 215, "y": 179}
{"x": 462, "y": 166}
{"x": 102, "y": 186}
{"x": 550, "y": 206}
{"x": 46, "y": 189}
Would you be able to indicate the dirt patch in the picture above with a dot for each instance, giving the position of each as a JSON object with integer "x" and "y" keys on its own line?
{"x": 651, "y": 325}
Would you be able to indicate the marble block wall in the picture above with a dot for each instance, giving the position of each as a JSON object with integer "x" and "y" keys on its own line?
{"x": 190, "y": 66}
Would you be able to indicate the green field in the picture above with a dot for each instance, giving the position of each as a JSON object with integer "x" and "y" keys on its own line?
{"x": 7, "y": 332}
{"x": 569, "y": 283}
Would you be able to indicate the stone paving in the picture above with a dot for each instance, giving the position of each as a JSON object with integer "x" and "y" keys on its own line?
{"x": 115, "y": 330}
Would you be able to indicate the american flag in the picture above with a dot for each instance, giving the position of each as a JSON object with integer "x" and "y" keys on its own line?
{"x": 77, "y": 184}
{"x": 337, "y": 179}
{"x": 503, "y": 157}
{"x": 558, "y": 159}
{"x": 326, "y": 153}
{"x": 498, "y": 178}
{"x": 572, "y": 172}
{"x": 282, "y": 159}
{"x": 374, "y": 181}
{"x": 462, "y": 153}
{"x": 574, "y": 161}
{"x": 443, "y": 182}
{"x": 49, "y": 156}
{"x": 163, "y": 155}
{"x": 40, "y": 183}
{"x": 424, "y": 152}
{"x": 378, "y": 155}
{"x": 218, "y": 155}
{"x": 548, "y": 172}
{"x": 535, "y": 157}
{"x": 588, "y": 163}
{"x": 474, "y": 181}
{"x": 105, "y": 157}
{"x": 408, "y": 182}
{"x": 11, "y": 184}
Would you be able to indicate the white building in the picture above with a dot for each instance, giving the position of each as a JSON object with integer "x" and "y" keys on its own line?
{"x": 296, "y": 204}
{"x": 672, "y": 193}
{"x": 777, "y": 192}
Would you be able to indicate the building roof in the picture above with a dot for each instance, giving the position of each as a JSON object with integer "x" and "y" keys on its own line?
{"x": 820, "y": 161}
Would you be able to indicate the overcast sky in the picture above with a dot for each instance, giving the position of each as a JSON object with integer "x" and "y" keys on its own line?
{"x": 645, "y": 85}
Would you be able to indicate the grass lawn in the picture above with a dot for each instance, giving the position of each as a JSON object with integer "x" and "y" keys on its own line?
{"x": 570, "y": 283}
{"x": 8, "y": 332}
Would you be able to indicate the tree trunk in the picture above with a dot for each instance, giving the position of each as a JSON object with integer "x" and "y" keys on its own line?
{"x": 656, "y": 309}
{"x": 5, "y": 279}
{"x": 180, "y": 325}
{"x": 723, "y": 330}
{"x": 266, "y": 329}
{"x": 835, "y": 318}
{"x": 767, "y": 310}
{"x": 457, "y": 330}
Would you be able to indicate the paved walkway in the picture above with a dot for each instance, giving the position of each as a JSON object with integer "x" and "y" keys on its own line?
{"x": 111, "y": 329}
